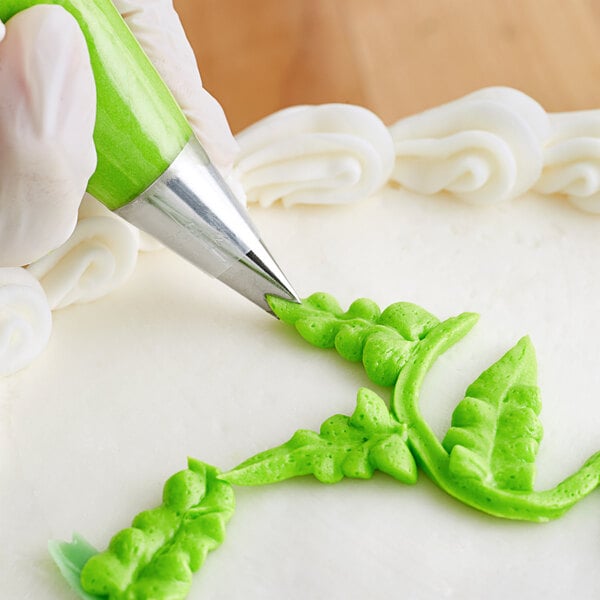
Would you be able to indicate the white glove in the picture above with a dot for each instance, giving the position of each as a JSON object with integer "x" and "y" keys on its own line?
{"x": 157, "y": 27}
{"x": 47, "y": 114}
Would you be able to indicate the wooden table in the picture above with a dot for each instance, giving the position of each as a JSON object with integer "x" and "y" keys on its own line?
{"x": 396, "y": 57}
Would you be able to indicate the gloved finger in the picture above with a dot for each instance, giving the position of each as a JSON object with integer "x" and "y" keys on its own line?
{"x": 47, "y": 116}
{"x": 158, "y": 29}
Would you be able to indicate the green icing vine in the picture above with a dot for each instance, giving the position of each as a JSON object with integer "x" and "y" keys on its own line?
{"x": 479, "y": 473}
{"x": 384, "y": 341}
{"x": 486, "y": 459}
{"x": 155, "y": 557}
{"x": 346, "y": 446}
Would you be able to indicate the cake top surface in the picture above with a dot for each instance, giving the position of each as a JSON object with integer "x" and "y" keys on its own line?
{"x": 172, "y": 365}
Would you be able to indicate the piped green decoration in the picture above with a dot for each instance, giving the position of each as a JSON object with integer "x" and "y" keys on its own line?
{"x": 70, "y": 558}
{"x": 495, "y": 431}
{"x": 156, "y": 557}
{"x": 382, "y": 340}
{"x": 486, "y": 459}
{"x": 371, "y": 439}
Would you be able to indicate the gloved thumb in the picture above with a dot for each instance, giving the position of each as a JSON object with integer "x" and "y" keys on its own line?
{"x": 47, "y": 116}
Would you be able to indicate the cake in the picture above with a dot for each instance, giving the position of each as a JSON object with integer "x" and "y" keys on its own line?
{"x": 172, "y": 364}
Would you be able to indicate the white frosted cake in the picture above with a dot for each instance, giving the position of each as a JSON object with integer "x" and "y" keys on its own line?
{"x": 171, "y": 364}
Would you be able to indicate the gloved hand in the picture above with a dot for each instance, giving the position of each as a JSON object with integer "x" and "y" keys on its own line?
{"x": 47, "y": 115}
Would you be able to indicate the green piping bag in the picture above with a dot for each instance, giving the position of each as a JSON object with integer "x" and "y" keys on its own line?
{"x": 151, "y": 169}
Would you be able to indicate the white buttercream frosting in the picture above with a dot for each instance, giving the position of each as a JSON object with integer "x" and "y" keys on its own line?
{"x": 332, "y": 153}
{"x": 483, "y": 148}
{"x": 98, "y": 258}
{"x": 177, "y": 365}
{"x": 486, "y": 147}
{"x": 90, "y": 207}
{"x": 572, "y": 159}
{"x": 147, "y": 243}
{"x": 25, "y": 319}
{"x": 474, "y": 257}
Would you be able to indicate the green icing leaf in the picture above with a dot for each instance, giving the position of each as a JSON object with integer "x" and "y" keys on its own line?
{"x": 346, "y": 446}
{"x": 70, "y": 559}
{"x": 382, "y": 340}
{"x": 156, "y": 556}
{"x": 480, "y": 460}
{"x": 486, "y": 459}
{"x": 495, "y": 431}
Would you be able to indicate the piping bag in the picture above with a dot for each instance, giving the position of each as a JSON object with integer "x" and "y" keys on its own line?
{"x": 151, "y": 169}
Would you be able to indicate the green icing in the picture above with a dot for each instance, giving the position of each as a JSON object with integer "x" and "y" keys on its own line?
{"x": 70, "y": 557}
{"x": 384, "y": 341}
{"x": 487, "y": 458}
{"x": 495, "y": 431}
{"x": 345, "y": 447}
{"x": 156, "y": 557}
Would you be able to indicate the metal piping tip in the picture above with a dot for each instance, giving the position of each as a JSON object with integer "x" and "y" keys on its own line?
{"x": 192, "y": 211}
{"x": 257, "y": 275}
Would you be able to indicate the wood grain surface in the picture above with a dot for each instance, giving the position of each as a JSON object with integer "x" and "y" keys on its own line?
{"x": 396, "y": 57}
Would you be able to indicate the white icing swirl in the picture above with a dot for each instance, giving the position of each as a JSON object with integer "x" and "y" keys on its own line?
{"x": 147, "y": 243}
{"x": 25, "y": 319}
{"x": 98, "y": 258}
{"x": 483, "y": 148}
{"x": 90, "y": 207}
{"x": 572, "y": 159}
{"x": 333, "y": 153}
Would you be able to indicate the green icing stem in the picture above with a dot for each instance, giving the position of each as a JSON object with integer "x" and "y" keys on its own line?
{"x": 371, "y": 439}
{"x": 140, "y": 129}
{"x": 435, "y": 461}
